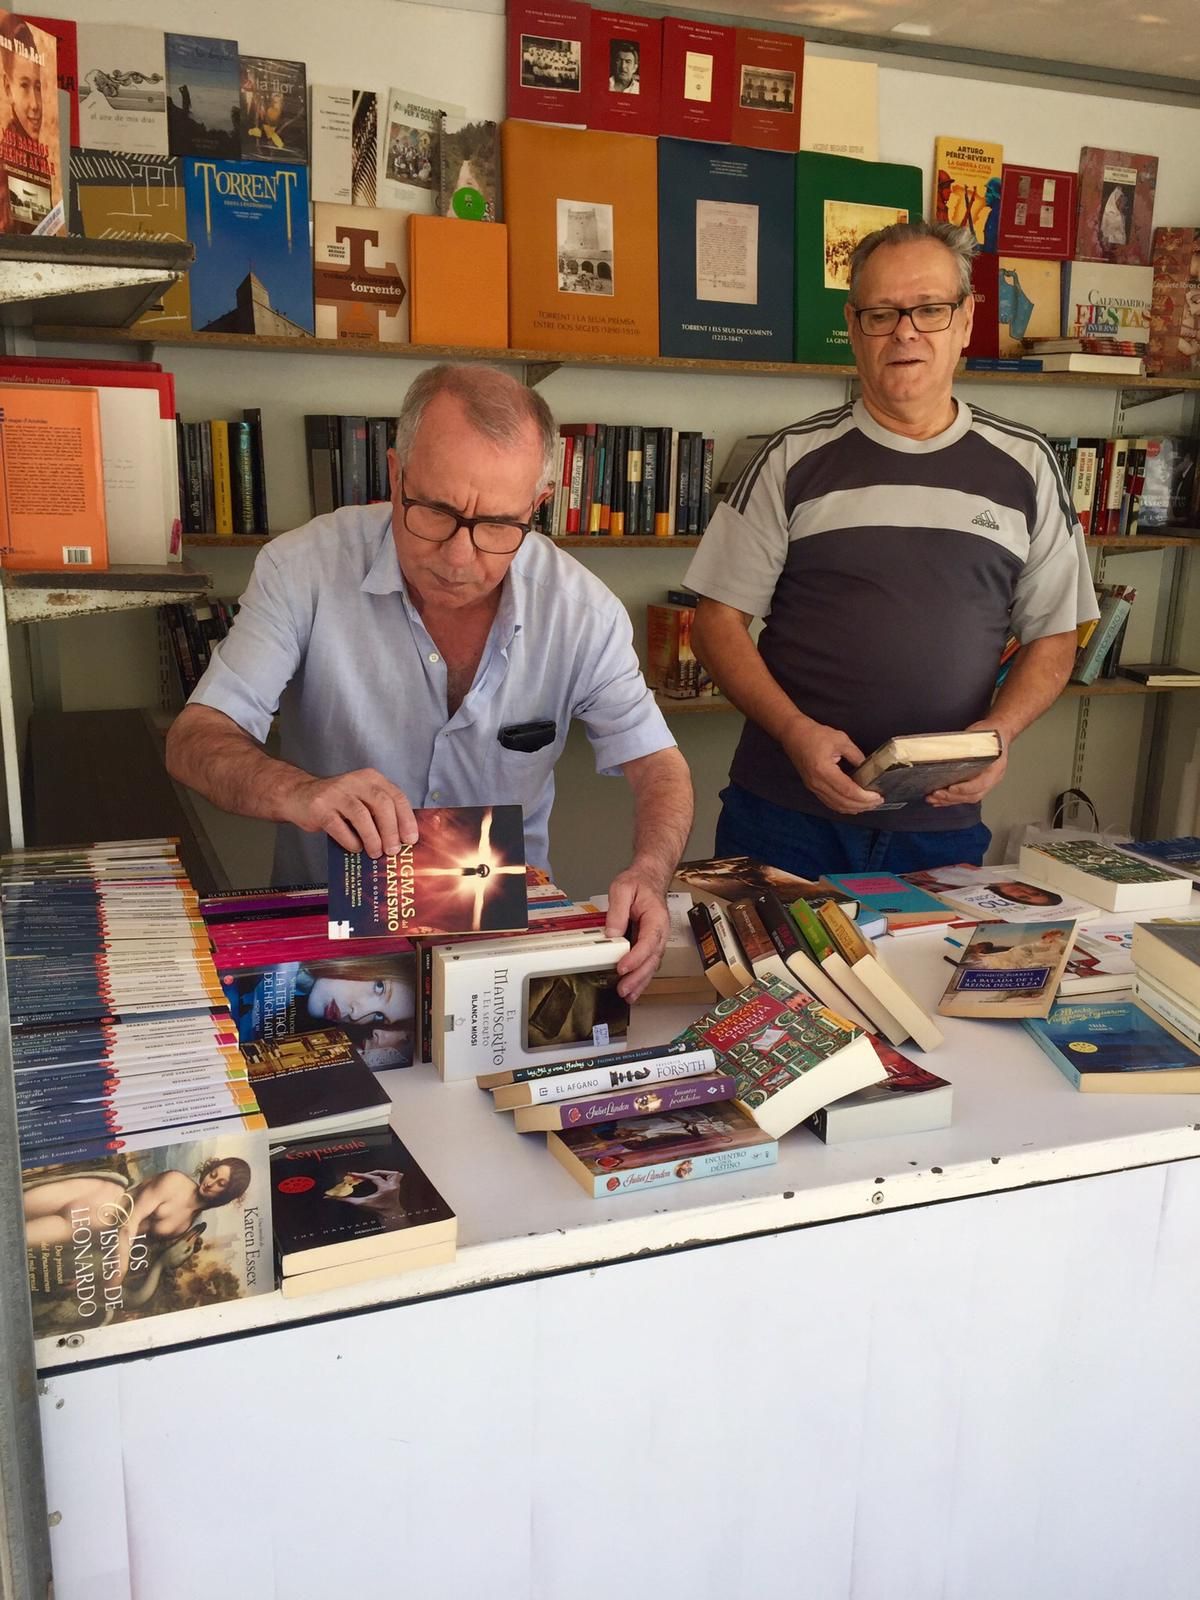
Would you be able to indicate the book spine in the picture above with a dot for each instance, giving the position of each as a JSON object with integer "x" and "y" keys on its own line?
{"x": 562, "y": 492}
{"x": 194, "y": 501}
{"x": 706, "y": 482}
{"x": 695, "y": 475}
{"x": 633, "y": 483}
{"x": 606, "y": 485}
{"x": 597, "y": 491}
{"x": 321, "y": 478}
{"x": 706, "y": 1166}
{"x": 208, "y": 518}
{"x": 378, "y": 487}
{"x": 241, "y": 468}
{"x": 659, "y": 1069}
{"x": 646, "y": 522}
{"x": 1162, "y": 1007}
{"x": 669, "y": 1097}
{"x": 222, "y": 479}
{"x": 683, "y": 482}
{"x": 662, "y": 486}
{"x": 576, "y": 496}
{"x": 353, "y": 432}
{"x": 262, "y": 522}
{"x": 1113, "y": 612}
{"x": 616, "y": 522}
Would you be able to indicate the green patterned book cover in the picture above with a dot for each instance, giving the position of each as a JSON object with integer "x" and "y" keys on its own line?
{"x": 1114, "y": 866}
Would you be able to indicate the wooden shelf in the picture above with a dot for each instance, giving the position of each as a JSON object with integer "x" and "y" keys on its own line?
{"x": 1143, "y": 542}
{"x": 1118, "y": 686}
{"x": 221, "y": 541}
{"x": 549, "y": 359}
{"x": 638, "y": 541}
{"x": 42, "y": 596}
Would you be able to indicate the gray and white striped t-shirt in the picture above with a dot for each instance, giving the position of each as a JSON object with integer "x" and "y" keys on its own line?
{"x": 890, "y": 571}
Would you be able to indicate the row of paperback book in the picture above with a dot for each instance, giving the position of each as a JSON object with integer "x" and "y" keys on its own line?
{"x": 617, "y": 479}
{"x": 222, "y": 476}
{"x": 192, "y": 631}
{"x": 1120, "y": 487}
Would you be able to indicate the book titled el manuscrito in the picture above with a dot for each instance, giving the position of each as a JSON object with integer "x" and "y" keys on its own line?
{"x": 465, "y": 874}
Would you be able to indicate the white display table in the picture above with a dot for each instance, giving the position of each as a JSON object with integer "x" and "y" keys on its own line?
{"x": 994, "y": 1398}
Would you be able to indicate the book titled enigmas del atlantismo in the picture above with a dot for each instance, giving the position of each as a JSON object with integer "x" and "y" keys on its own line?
{"x": 465, "y": 874}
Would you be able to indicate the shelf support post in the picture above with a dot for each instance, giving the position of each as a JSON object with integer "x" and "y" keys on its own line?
{"x": 8, "y": 735}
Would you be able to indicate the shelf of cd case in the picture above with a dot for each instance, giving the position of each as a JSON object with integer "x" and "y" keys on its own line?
{"x": 46, "y": 596}
{"x": 545, "y": 361}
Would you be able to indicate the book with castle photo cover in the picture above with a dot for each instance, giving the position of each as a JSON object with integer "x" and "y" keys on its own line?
{"x": 465, "y": 874}
{"x": 253, "y": 270}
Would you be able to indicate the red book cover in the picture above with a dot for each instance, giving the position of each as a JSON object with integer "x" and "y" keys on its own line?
{"x": 1116, "y": 206}
{"x": 548, "y": 46}
{"x": 92, "y": 374}
{"x": 1175, "y": 310}
{"x": 1037, "y": 213}
{"x": 697, "y": 80}
{"x": 625, "y": 71}
{"x": 768, "y": 71}
{"x": 985, "y": 330}
{"x": 68, "y": 63}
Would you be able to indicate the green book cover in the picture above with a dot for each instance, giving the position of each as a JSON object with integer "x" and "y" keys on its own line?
{"x": 1112, "y": 866}
{"x": 812, "y": 929}
{"x": 838, "y": 202}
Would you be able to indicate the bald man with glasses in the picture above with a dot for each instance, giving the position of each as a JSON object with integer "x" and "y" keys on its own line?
{"x": 891, "y": 544}
{"x": 432, "y": 652}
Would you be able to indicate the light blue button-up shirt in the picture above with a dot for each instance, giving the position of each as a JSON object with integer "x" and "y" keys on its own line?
{"x": 328, "y": 636}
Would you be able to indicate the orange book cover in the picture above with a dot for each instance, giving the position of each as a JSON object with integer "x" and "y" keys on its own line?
{"x": 582, "y": 213}
{"x": 51, "y": 479}
{"x": 458, "y": 274}
{"x": 768, "y": 71}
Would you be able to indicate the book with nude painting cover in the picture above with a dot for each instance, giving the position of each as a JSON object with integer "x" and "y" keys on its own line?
{"x": 153, "y": 1223}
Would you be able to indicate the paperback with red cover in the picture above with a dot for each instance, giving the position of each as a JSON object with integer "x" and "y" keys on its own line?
{"x": 1175, "y": 310}
{"x": 548, "y": 47}
{"x": 625, "y": 71}
{"x": 1037, "y": 213}
{"x": 1116, "y": 206}
{"x": 465, "y": 874}
{"x": 697, "y": 80}
{"x": 768, "y": 72}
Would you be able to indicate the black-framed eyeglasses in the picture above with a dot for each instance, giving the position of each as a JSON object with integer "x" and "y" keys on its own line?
{"x": 438, "y": 524}
{"x": 933, "y": 317}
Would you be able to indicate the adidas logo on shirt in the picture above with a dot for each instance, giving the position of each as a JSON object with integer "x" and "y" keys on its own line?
{"x": 985, "y": 519}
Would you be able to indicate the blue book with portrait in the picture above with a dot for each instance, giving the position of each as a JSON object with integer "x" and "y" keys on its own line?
{"x": 726, "y": 241}
{"x": 253, "y": 272}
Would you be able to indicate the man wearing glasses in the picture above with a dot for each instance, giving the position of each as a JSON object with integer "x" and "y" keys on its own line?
{"x": 891, "y": 544}
{"x": 434, "y": 652}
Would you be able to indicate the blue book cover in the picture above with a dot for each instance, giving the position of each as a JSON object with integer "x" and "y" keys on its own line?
{"x": 1114, "y": 1046}
{"x": 204, "y": 112}
{"x": 249, "y": 223}
{"x": 372, "y": 998}
{"x": 726, "y": 236}
{"x": 1183, "y": 853}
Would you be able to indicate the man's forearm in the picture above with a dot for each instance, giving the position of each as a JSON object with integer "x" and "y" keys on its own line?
{"x": 1038, "y": 675}
{"x": 211, "y": 754}
{"x": 662, "y": 813}
{"x": 722, "y": 642}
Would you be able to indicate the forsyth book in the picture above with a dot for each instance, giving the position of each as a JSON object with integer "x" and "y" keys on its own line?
{"x": 249, "y": 223}
{"x": 360, "y": 273}
{"x": 465, "y": 874}
{"x": 274, "y": 109}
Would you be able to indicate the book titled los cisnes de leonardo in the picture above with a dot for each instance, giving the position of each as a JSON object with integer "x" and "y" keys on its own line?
{"x": 465, "y": 874}
{"x": 911, "y": 766}
{"x": 1009, "y": 969}
{"x": 1109, "y": 878}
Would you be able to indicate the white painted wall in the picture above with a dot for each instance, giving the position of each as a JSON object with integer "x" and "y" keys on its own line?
{"x": 458, "y": 55}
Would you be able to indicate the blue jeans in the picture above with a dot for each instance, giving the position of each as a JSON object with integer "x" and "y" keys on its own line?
{"x": 809, "y": 846}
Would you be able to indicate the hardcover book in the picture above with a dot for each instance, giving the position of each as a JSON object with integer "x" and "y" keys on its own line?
{"x": 468, "y": 184}
{"x": 162, "y": 1224}
{"x": 122, "y": 89}
{"x": 253, "y": 270}
{"x": 1106, "y": 301}
{"x": 1116, "y": 206}
{"x": 115, "y": 195}
{"x": 465, "y": 874}
{"x": 911, "y": 766}
{"x": 409, "y": 176}
{"x": 907, "y": 1100}
{"x": 726, "y": 233}
{"x": 1028, "y": 302}
{"x": 203, "y": 96}
{"x": 839, "y": 112}
{"x": 31, "y": 152}
{"x": 967, "y": 175}
{"x": 857, "y": 968}
{"x": 347, "y": 145}
{"x": 274, "y": 102}
{"x": 707, "y": 1089}
{"x": 768, "y": 70}
{"x": 373, "y": 999}
{"x": 459, "y": 283}
{"x": 582, "y": 215}
{"x": 1174, "y": 344}
{"x": 625, "y": 68}
{"x": 789, "y": 1054}
{"x": 524, "y": 1002}
{"x": 1111, "y": 879}
{"x": 1037, "y": 213}
{"x": 548, "y": 56}
{"x": 697, "y": 80}
{"x": 353, "y": 1198}
{"x": 51, "y": 521}
{"x": 1114, "y": 1047}
{"x": 360, "y": 274}
{"x": 314, "y": 1085}
{"x": 669, "y": 1147}
{"x": 1009, "y": 970}
{"x": 1101, "y": 962}
{"x": 839, "y": 202}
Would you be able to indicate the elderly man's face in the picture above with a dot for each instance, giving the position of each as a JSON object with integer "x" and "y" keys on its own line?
{"x": 907, "y": 369}
{"x": 453, "y": 466}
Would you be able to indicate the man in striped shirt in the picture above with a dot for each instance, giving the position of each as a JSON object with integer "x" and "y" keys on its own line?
{"x": 891, "y": 545}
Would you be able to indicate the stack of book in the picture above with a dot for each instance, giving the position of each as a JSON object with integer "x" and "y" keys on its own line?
{"x": 223, "y": 476}
{"x": 142, "y": 1145}
{"x": 1106, "y": 877}
{"x": 622, "y": 481}
{"x": 1120, "y": 487}
{"x": 192, "y": 630}
{"x": 347, "y": 460}
{"x": 1166, "y": 960}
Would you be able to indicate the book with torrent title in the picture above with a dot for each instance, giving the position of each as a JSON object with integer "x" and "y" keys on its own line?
{"x": 274, "y": 109}
{"x": 31, "y": 157}
{"x": 360, "y": 274}
{"x": 1116, "y": 206}
{"x": 1111, "y": 879}
{"x": 465, "y": 874}
{"x": 352, "y": 1199}
{"x": 789, "y": 1054}
{"x": 253, "y": 270}
{"x": 1114, "y": 1047}
{"x": 668, "y": 1147}
{"x": 967, "y": 175}
{"x": 169, "y": 1221}
{"x": 907, "y": 1100}
{"x": 911, "y": 766}
{"x": 1009, "y": 969}
{"x": 314, "y": 1085}
{"x": 468, "y": 183}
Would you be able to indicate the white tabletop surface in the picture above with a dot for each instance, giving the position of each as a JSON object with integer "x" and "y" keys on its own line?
{"x": 1017, "y": 1121}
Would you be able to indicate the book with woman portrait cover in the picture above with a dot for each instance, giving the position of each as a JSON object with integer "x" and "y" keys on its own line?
{"x": 1116, "y": 206}
{"x": 157, "y": 1222}
{"x": 465, "y": 874}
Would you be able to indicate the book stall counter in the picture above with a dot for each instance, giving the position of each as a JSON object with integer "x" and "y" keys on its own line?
{"x": 984, "y": 1344}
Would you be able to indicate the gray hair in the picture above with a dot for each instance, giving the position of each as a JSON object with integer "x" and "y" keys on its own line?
{"x": 959, "y": 241}
{"x": 496, "y": 406}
